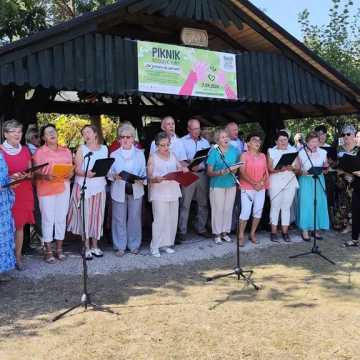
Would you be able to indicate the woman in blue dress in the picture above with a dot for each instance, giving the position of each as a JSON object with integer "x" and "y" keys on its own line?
{"x": 7, "y": 228}
{"x": 305, "y": 213}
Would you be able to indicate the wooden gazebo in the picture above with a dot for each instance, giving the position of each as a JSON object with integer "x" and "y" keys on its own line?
{"x": 95, "y": 54}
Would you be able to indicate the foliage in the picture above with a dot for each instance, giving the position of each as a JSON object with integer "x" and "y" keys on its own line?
{"x": 62, "y": 10}
{"x": 338, "y": 42}
{"x": 69, "y": 127}
{"x": 19, "y": 18}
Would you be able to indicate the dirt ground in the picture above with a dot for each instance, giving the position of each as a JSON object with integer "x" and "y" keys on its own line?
{"x": 306, "y": 309}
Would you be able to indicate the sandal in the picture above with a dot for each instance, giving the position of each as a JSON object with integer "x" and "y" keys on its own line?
{"x": 60, "y": 256}
{"x": 49, "y": 257}
{"x": 304, "y": 238}
{"x": 241, "y": 242}
{"x": 274, "y": 238}
{"x": 286, "y": 237}
{"x": 351, "y": 243}
{"x": 252, "y": 238}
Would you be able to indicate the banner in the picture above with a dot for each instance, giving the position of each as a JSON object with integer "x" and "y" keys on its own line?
{"x": 179, "y": 70}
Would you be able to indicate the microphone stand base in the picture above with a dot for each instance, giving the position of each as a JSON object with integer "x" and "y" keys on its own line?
{"x": 85, "y": 303}
{"x": 315, "y": 250}
{"x": 240, "y": 274}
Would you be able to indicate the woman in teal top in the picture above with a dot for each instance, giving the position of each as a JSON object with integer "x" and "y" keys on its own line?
{"x": 222, "y": 185}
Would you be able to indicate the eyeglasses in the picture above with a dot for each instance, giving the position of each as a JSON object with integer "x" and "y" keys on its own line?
{"x": 347, "y": 134}
{"x": 125, "y": 137}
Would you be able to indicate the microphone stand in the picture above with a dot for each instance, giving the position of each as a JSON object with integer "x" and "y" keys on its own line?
{"x": 315, "y": 248}
{"x": 85, "y": 299}
{"x": 238, "y": 271}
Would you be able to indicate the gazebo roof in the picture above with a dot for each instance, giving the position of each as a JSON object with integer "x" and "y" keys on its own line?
{"x": 96, "y": 53}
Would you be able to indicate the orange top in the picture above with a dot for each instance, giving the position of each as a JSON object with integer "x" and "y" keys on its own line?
{"x": 43, "y": 155}
{"x": 255, "y": 167}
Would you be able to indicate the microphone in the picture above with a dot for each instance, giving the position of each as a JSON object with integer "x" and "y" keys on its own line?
{"x": 88, "y": 154}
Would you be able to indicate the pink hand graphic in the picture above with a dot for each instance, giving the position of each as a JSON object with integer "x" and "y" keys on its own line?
{"x": 198, "y": 73}
{"x": 229, "y": 92}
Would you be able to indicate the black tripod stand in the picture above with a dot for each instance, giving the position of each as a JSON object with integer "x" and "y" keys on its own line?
{"x": 315, "y": 172}
{"x": 85, "y": 299}
{"x": 238, "y": 271}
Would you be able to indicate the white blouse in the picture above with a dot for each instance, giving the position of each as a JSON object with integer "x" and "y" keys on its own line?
{"x": 285, "y": 178}
{"x": 165, "y": 190}
{"x": 97, "y": 184}
{"x": 318, "y": 159}
{"x": 132, "y": 161}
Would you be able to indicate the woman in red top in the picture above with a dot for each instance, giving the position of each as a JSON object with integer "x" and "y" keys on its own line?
{"x": 18, "y": 159}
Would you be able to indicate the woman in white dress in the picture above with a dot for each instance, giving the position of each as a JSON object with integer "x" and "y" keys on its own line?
{"x": 164, "y": 195}
{"x": 283, "y": 186}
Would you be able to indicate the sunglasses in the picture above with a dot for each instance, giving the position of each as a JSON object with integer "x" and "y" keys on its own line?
{"x": 125, "y": 137}
{"x": 347, "y": 134}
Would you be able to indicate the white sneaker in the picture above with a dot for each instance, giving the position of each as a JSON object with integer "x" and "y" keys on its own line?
{"x": 218, "y": 240}
{"x": 88, "y": 255}
{"x": 97, "y": 252}
{"x": 168, "y": 250}
{"x": 155, "y": 253}
{"x": 226, "y": 238}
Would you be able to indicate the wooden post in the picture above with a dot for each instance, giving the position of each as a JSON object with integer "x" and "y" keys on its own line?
{"x": 271, "y": 123}
{"x": 96, "y": 120}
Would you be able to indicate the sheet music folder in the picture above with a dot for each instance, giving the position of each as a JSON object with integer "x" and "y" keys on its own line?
{"x": 102, "y": 166}
{"x": 286, "y": 160}
{"x": 130, "y": 178}
{"x": 199, "y": 157}
{"x": 331, "y": 152}
{"x": 349, "y": 163}
{"x": 27, "y": 171}
{"x": 316, "y": 170}
{"x": 184, "y": 179}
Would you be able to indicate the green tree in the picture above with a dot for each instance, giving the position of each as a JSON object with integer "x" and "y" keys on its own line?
{"x": 69, "y": 127}
{"x": 19, "y": 18}
{"x": 62, "y": 10}
{"x": 337, "y": 42}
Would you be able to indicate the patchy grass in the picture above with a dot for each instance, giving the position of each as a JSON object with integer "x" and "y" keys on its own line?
{"x": 306, "y": 309}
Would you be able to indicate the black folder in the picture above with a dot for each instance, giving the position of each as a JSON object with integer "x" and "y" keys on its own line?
{"x": 286, "y": 160}
{"x": 102, "y": 166}
{"x": 27, "y": 171}
{"x": 130, "y": 178}
{"x": 331, "y": 152}
{"x": 316, "y": 170}
{"x": 199, "y": 157}
{"x": 35, "y": 168}
{"x": 349, "y": 163}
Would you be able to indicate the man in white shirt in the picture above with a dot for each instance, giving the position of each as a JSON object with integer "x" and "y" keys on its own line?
{"x": 233, "y": 130}
{"x": 176, "y": 145}
{"x": 199, "y": 190}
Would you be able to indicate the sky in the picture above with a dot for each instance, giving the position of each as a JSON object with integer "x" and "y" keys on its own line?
{"x": 285, "y": 12}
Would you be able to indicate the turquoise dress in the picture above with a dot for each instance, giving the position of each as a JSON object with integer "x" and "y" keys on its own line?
{"x": 306, "y": 193}
{"x": 7, "y": 227}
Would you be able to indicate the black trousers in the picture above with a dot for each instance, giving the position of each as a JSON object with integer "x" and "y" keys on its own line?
{"x": 355, "y": 209}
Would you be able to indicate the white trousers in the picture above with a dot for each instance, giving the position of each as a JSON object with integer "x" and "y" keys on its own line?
{"x": 165, "y": 223}
{"x": 252, "y": 199}
{"x": 281, "y": 201}
{"x": 222, "y": 203}
{"x": 53, "y": 210}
